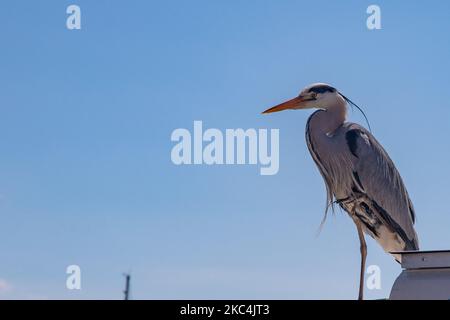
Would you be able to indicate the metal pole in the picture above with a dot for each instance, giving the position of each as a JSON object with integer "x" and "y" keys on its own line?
{"x": 127, "y": 286}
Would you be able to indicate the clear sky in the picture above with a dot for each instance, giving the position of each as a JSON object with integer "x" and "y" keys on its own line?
{"x": 86, "y": 117}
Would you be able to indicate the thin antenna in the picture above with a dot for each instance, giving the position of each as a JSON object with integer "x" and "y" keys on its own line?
{"x": 127, "y": 286}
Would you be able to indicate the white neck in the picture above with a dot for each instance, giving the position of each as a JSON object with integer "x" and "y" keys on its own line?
{"x": 330, "y": 119}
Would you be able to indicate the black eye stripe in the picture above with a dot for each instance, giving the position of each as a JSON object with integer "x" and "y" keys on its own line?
{"x": 322, "y": 89}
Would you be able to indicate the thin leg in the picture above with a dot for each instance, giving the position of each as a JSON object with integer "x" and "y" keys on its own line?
{"x": 363, "y": 249}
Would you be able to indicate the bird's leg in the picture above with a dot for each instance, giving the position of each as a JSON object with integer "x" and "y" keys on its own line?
{"x": 363, "y": 249}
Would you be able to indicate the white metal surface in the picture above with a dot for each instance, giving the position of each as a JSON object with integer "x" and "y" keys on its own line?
{"x": 425, "y": 259}
{"x": 426, "y": 276}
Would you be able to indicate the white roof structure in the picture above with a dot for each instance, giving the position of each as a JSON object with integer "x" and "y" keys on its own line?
{"x": 425, "y": 276}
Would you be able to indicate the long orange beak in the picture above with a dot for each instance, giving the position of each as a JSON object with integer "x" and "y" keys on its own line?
{"x": 295, "y": 103}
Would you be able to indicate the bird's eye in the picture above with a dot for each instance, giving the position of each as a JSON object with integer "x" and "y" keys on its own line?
{"x": 314, "y": 95}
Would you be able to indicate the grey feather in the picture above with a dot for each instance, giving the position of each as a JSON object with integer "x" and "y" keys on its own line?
{"x": 361, "y": 177}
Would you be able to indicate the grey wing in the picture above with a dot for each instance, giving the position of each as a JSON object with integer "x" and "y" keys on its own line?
{"x": 382, "y": 184}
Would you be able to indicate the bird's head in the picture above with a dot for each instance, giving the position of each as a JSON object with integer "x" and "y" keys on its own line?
{"x": 317, "y": 95}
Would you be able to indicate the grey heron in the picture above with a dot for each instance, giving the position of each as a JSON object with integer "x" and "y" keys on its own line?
{"x": 358, "y": 173}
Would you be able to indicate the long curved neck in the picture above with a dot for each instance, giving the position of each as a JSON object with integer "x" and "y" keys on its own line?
{"x": 326, "y": 121}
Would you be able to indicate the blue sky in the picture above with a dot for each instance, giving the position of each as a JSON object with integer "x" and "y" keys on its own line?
{"x": 86, "y": 118}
